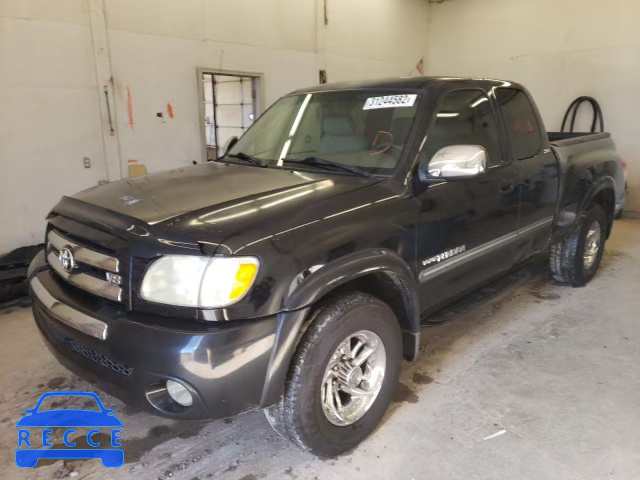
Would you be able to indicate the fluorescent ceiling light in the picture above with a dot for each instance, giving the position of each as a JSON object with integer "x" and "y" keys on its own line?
{"x": 478, "y": 102}
{"x": 296, "y": 122}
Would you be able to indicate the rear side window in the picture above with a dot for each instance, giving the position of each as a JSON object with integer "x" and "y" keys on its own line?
{"x": 465, "y": 117}
{"x": 521, "y": 122}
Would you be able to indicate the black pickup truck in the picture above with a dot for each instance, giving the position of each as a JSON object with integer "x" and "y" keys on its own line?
{"x": 293, "y": 274}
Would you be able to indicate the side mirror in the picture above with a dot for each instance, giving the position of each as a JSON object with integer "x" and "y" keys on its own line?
{"x": 229, "y": 145}
{"x": 455, "y": 162}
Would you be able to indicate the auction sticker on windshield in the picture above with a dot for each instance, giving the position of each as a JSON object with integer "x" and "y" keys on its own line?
{"x": 390, "y": 101}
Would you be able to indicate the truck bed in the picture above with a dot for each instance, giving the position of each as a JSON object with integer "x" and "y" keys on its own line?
{"x": 562, "y": 139}
{"x": 578, "y": 147}
{"x": 576, "y": 152}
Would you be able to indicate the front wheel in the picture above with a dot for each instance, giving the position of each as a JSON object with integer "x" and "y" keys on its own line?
{"x": 575, "y": 259}
{"x": 343, "y": 376}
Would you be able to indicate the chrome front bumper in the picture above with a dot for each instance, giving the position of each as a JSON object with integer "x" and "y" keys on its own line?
{"x": 226, "y": 367}
{"x": 67, "y": 315}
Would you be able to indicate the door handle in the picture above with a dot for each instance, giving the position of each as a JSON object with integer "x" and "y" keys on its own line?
{"x": 506, "y": 186}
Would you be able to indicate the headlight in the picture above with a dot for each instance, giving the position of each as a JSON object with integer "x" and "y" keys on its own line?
{"x": 205, "y": 282}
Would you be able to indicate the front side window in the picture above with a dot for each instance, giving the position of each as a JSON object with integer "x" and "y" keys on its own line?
{"x": 521, "y": 122}
{"x": 465, "y": 117}
{"x": 363, "y": 129}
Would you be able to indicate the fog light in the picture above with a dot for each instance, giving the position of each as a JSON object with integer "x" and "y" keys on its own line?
{"x": 179, "y": 393}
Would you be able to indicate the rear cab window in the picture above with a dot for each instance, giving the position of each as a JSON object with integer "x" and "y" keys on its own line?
{"x": 520, "y": 121}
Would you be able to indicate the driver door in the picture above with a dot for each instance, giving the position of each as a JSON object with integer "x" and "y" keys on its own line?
{"x": 466, "y": 225}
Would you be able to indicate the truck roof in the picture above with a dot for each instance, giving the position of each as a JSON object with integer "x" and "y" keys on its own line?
{"x": 409, "y": 83}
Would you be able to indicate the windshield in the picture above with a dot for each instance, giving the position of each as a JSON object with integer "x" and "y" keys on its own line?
{"x": 363, "y": 129}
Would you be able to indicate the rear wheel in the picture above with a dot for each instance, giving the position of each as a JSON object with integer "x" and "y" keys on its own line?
{"x": 575, "y": 259}
{"x": 342, "y": 377}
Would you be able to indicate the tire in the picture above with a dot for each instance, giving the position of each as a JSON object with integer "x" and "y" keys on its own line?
{"x": 300, "y": 415}
{"x": 567, "y": 257}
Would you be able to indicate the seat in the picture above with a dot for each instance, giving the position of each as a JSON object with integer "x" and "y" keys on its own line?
{"x": 339, "y": 136}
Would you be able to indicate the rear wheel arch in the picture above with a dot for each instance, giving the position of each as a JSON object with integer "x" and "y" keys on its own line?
{"x": 574, "y": 203}
{"x": 600, "y": 191}
{"x": 606, "y": 198}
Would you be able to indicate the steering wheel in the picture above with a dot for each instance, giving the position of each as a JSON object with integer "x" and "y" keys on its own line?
{"x": 382, "y": 142}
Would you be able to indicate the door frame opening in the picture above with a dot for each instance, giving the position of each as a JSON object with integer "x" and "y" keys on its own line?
{"x": 257, "y": 79}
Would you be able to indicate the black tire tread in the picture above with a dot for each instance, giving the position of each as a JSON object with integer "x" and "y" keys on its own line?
{"x": 565, "y": 256}
{"x": 284, "y": 416}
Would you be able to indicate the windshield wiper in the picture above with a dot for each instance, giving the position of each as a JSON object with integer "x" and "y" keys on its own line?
{"x": 321, "y": 162}
{"x": 247, "y": 158}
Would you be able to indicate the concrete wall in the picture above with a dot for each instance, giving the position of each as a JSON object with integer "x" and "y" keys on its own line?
{"x": 373, "y": 39}
{"x": 52, "y": 107}
{"x": 53, "y": 112}
{"x": 49, "y": 113}
{"x": 560, "y": 49}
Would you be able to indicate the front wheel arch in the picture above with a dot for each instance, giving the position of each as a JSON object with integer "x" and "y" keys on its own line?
{"x": 381, "y": 273}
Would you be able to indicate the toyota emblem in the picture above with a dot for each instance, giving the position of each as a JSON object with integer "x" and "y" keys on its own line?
{"x": 66, "y": 259}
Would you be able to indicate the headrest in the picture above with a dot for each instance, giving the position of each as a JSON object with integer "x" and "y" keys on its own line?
{"x": 339, "y": 126}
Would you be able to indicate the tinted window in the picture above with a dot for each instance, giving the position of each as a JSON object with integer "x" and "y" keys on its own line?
{"x": 465, "y": 117}
{"x": 364, "y": 129}
{"x": 522, "y": 125}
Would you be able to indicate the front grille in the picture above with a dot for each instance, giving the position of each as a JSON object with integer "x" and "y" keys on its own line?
{"x": 87, "y": 268}
{"x": 92, "y": 355}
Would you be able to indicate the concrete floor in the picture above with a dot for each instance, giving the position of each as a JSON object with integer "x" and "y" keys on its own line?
{"x": 557, "y": 369}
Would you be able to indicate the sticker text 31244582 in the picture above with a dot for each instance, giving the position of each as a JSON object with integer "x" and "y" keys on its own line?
{"x": 390, "y": 101}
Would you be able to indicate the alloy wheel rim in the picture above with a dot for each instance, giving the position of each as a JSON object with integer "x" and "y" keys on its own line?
{"x": 353, "y": 378}
{"x": 592, "y": 244}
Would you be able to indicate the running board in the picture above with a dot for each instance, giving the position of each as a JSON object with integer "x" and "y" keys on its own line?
{"x": 478, "y": 297}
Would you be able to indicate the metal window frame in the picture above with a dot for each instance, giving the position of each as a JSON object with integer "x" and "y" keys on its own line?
{"x": 258, "y": 77}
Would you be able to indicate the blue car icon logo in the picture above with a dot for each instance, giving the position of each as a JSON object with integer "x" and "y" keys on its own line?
{"x": 29, "y": 452}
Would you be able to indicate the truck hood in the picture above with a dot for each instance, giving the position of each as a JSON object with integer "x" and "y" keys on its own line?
{"x": 213, "y": 200}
